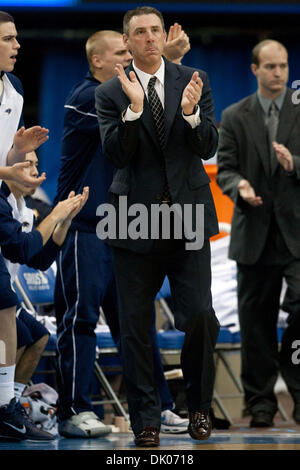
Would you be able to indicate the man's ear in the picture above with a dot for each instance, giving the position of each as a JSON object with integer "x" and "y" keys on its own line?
{"x": 97, "y": 61}
{"x": 125, "y": 40}
{"x": 253, "y": 68}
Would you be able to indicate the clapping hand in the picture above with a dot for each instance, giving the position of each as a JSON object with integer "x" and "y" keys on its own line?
{"x": 26, "y": 140}
{"x": 18, "y": 174}
{"x": 132, "y": 88}
{"x": 84, "y": 198}
{"x": 177, "y": 45}
{"x": 67, "y": 209}
{"x": 248, "y": 194}
{"x": 284, "y": 157}
{"x": 191, "y": 94}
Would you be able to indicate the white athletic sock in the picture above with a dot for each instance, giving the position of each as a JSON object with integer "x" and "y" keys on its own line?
{"x": 7, "y": 375}
{"x": 19, "y": 389}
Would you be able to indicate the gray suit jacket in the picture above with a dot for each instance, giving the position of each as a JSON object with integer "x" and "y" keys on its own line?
{"x": 244, "y": 153}
{"x": 134, "y": 150}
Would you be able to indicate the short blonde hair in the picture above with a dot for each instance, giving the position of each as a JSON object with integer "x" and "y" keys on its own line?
{"x": 97, "y": 44}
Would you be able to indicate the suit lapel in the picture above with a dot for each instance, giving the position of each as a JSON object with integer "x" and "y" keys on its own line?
{"x": 256, "y": 126}
{"x": 287, "y": 119}
{"x": 172, "y": 96}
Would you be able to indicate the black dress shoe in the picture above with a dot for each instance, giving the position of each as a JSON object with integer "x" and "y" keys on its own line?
{"x": 148, "y": 437}
{"x": 296, "y": 413}
{"x": 200, "y": 425}
{"x": 262, "y": 419}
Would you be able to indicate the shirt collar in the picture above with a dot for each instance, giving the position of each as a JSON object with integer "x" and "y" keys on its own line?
{"x": 89, "y": 76}
{"x": 145, "y": 77}
{"x": 266, "y": 103}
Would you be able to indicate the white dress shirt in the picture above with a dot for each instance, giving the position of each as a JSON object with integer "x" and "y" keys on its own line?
{"x": 129, "y": 115}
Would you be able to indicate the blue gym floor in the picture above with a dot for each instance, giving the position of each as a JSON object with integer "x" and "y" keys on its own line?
{"x": 237, "y": 438}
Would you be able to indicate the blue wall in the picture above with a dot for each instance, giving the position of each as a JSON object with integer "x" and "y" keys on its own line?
{"x": 59, "y": 72}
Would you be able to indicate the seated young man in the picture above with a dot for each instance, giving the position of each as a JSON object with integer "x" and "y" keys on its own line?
{"x": 37, "y": 248}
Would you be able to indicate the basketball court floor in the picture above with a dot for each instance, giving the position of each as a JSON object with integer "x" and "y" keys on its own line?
{"x": 239, "y": 437}
{"x": 284, "y": 435}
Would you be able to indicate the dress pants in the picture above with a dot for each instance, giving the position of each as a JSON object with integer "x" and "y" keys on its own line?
{"x": 259, "y": 289}
{"x": 139, "y": 278}
{"x": 85, "y": 280}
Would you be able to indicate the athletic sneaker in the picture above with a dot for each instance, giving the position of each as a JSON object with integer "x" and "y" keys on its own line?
{"x": 85, "y": 424}
{"x": 172, "y": 423}
{"x": 16, "y": 425}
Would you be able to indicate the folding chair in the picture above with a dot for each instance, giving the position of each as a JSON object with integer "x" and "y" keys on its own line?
{"x": 161, "y": 297}
{"x": 35, "y": 289}
{"x": 170, "y": 343}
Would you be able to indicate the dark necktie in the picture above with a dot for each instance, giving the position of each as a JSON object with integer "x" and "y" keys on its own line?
{"x": 272, "y": 125}
{"x": 158, "y": 116}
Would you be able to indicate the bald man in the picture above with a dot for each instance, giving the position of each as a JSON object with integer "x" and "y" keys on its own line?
{"x": 259, "y": 169}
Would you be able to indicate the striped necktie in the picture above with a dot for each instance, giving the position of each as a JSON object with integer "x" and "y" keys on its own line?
{"x": 158, "y": 116}
{"x": 272, "y": 125}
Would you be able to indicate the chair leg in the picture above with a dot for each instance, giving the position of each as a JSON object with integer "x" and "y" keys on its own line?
{"x": 282, "y": 412}
{"x": 119, "y": 409}
{"x": 222, "y": 407}
{"x": 238, "y": 383}
{"x": 234, "y": 378}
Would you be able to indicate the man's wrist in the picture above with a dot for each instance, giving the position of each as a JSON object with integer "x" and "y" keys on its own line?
{"x": 194, "y": 118}
{"x": 15, "y": 156}
{"x": 136, "y": 108}
{"x": 243, "y": 184}
{"x": 53, "y": 219}
{"x": 130, "y": 115}
{"x": 65, "y": 224}
{"x": 191, "y": 113}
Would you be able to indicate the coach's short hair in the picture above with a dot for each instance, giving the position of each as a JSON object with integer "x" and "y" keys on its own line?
{"x": 138, "y": 12}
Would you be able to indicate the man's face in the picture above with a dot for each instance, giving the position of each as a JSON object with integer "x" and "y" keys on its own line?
{"x": 146, "y": 39}
{"x": 273, "y": 71}
{"x": 116, "y": 53}
{"x": 9, "y": 46}
{"x": 32, "y": 170}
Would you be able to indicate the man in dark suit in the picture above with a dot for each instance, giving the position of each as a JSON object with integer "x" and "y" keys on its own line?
{"x": 259, "y": 168}
{"x": 157, "y": 139}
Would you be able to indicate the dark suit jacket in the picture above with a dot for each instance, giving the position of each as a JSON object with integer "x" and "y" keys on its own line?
{"x": 134, "y": 149}
{"x": 244, "y": 153}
